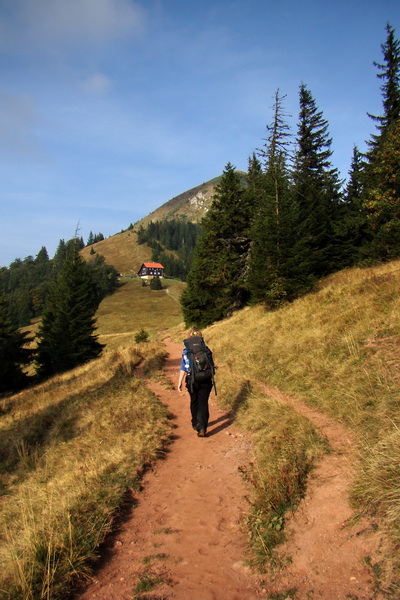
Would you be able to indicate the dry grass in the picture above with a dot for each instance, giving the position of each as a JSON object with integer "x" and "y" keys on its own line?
{"x": 122, "y": 252}
{"x": 134, "y": 307}
{"x": 337, "y": 349}
{"x": 285, "y": 445}
{"x": 70, "y": 449}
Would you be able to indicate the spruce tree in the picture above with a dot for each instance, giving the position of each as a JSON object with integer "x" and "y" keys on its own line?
{"x": 316, "y": 187}
{"x": 155, "y": 283}
{"x": 272, "y": 229}
{"x": 383, "y": 200}
{"x": 13, "y": 352}
{"x": 390, "y": 88}
{"x": 256, "y": 276}
{"x": 382, "y": 171}
{"x": 66, "y": 335}
{"x": 59, "y": 255}
{"x": 217, "y": 278}
{"x": 353, "y": 229}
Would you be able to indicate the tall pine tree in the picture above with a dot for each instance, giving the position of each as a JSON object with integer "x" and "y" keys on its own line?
{"x": 389, "y": 72}
{"x": 66, "y": 335}
{"x": 271, "y": 232}
{"x": 383, "y": 200}
{"x": 353, "y": 230}
{"x": 316, "y": 187}
{"x": 382, "y": 171}
{"x": 217, "y": 279}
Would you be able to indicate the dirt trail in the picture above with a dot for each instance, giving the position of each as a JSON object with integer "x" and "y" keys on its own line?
{"x": 327, "y": 547}
{"x": 186, "y": 524}
{"x": 186, "y": 528}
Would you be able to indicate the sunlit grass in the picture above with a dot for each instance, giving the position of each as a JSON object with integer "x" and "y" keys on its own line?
{"x": 121, "y": 251}
{"x": 337, "y": 349}
{"x": 134, "y": 307}
{"x": 71, "y": 448}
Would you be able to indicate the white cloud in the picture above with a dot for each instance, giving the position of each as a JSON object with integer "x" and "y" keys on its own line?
{"x": 70, "y": 21}
{"x": 97, "y": 84}
{"x": 18, "y": 115}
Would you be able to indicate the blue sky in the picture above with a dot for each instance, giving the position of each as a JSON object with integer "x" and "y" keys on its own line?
{"x": 109, "y": 108}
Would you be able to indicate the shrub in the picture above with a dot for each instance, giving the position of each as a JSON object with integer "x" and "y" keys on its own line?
{"x": 141, "y": 336}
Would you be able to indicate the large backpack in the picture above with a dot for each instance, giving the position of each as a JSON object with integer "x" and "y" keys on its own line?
{"x": 201, "y": 367}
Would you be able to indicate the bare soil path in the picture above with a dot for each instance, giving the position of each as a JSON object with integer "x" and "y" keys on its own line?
{"x": 185, "y": 531}
{"x": 330, "y": 551}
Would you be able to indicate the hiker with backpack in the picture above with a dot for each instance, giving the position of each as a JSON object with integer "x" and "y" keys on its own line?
{"x": 197, "y": 370}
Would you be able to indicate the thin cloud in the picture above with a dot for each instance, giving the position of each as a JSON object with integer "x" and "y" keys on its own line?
{"x": 18, "y": 116}
{"x": 70, "y": 21}
{"x": 97, "y": 84}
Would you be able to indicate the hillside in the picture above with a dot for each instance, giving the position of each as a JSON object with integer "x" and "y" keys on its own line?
{"x": 133, "y": 307}
{"x": 191, "y": 205}
{"x": 122, "y": 251}
{"x": 308, "y": 400}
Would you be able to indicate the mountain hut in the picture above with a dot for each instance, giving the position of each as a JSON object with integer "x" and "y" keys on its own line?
{"x": 148, "y": 270}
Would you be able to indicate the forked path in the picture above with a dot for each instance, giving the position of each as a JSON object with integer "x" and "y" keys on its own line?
{"x": 331, "y": 553}
{"x": 185, "y": 531}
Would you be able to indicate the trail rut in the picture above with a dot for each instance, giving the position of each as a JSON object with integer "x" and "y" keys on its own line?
{"x": 185, "y": 532}
{"x": 329, "y": 549}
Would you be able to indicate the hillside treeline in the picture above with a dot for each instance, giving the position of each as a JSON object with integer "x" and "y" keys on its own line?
{"x": 25, "y": 283}
{"x": 293, "y": 223}
{"x": 173, "y": 243}
{"x": 66, "y": 291}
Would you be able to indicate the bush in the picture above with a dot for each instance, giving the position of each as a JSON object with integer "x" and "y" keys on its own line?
{"x": 141, "y": 336}
{"x": 155, "y": 283}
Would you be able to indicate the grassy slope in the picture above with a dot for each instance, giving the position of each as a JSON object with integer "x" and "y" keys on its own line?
{"x": 122, "y": 252}
{"x": 337, "y": 349}
{"x": 71, "y": 447}
{"x": 134, "y": 307}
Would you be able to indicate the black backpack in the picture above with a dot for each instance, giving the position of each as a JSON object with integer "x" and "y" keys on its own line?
{"x": 201, "y": 367}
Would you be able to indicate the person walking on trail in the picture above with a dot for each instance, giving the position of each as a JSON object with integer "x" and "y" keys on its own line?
{"x": 197, "y": 370}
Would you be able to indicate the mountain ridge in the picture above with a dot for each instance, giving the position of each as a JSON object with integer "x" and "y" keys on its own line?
{"x": 122, "y": 250}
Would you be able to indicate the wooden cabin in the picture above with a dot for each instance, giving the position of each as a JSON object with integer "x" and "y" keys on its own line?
{"x": 148, "y": 270}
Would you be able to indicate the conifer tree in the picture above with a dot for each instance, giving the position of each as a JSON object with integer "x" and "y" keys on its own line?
{"x": 316, "y": 186}
{"x": 383, "y": 200}
{"x": 59, "y": 255}
{"x": 217, "y": 279}
{"x": 271, "y": 232}
{"x": 382, "y": 171}
{"x": 42, "y": 256}
{"x": 66, "y": 336}
{"x": 13, "y": 352}
{"x": 155, "y": 283}
{"x": 354, "y": 230}
{"x": 256, "y": 264}
{"x": 390, "y": 88}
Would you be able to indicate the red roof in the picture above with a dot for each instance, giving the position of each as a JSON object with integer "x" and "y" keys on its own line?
{"x": 153, "y": 265}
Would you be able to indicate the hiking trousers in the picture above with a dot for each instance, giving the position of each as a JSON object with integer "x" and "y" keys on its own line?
{"x": 199, "y": 404}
